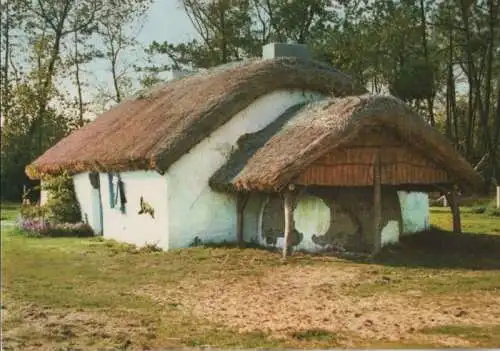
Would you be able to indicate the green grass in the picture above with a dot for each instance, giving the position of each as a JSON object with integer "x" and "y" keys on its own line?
{"x": 489, "y": 334}
{"x": 9, "y": 211}
{"x": 92, "y": 293}
{"x": 471, "y": 222}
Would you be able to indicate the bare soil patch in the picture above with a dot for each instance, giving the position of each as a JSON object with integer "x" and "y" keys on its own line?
{"x": 288, "y": 299}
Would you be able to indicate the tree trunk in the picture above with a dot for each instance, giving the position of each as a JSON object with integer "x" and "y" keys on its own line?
{"x": 485, "y": 111}
{"x": 223, "y": 32}
{"x": 118, "y": 95}
{"x": 470, "y": 79}
{"x": 430, "y": 99}
{"x": 78, "y": 82}
{"x": 4, "y": 84}
{"x": 455, "y": 210}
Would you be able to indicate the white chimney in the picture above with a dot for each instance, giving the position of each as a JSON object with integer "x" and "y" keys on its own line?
{"x": 174, "y": 74}
{"x": 273, "y": 50}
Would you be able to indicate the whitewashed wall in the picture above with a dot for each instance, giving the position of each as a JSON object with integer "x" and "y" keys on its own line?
{"x": 44, "y": 195}
{"x": 414, "y": 211}
{"x": 390, "y": 233}
{"x": 88, "y": 198}
{"x": 310, "y": 219}
{"x": 195, "y": 210}
{"x": 131, "y": 227}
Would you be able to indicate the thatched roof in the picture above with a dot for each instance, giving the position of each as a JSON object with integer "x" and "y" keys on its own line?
{"x": 270, "y": 159}
{"x": 155, "y": 129}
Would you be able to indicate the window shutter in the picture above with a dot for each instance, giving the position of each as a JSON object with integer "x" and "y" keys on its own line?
{"x": 111, "y": 191}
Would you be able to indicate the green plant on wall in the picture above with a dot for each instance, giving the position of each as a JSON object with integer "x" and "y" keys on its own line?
{"x": 62, "y": 205}
{"x": 196, "y": 242}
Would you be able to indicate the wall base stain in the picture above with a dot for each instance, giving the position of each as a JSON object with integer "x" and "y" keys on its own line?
{"x": 346, "y": 225}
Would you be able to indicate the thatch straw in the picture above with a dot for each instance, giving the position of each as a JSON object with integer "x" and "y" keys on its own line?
{"x": 158, "y": 127}
{"x": 321, "y": 127}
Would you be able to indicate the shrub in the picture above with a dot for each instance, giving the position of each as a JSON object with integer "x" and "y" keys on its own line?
{"x": 62, "y": 205}
{"x": 149, "y": 248}
{"x": 34, "y": 226}
{"x": 70, "y": 229}
{"x": 478, "y": 209}
{"x": 196, "y": 242}
{"x": 42, "y": 228}
{"x": 493, "y": 211}
{"x": 29, "y": 211}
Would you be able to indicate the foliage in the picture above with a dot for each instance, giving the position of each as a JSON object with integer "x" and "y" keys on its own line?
{"x": 315, "y": 334}
{"x": 489, "y": 209}
{"x": 439, "y": 56}
{"x": 421, "y": 51}
{"x": 29, "y": 211}
{"x": 478, "y": 209}
{"x": 44, "y": 45}
{"x": 39, "y": 227}
{"x": 151, "y": 247}
{"x": 196, "y": 242}
{"x": 62, "y": 205}
{"x": 9, "y": 211}
{"x": 494, "y": 212}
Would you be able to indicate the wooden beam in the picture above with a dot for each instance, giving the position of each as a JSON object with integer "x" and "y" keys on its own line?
{"x": 454, "y": 203}
{"x": 289, "y": 200}
{"x": 377, "y": 205}
{"x": 241, "y": 202}
{"x": 498, "y": 196}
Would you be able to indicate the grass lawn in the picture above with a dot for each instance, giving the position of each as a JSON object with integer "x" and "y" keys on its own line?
{"x": 437, "y": 289}
{"x": 9, "y": 211}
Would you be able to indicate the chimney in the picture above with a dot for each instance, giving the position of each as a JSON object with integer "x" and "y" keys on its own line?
{"x": 274, "y": 50}
{"x": 174, "y": 74}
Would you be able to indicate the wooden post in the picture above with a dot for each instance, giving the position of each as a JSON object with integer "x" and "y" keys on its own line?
{"x": 455, "y": 210}
{"x": 289, "y": 224}
{"x": 241, "y": 202}
{"x": 377, "y": 205}
{"x": 498, "y": 196}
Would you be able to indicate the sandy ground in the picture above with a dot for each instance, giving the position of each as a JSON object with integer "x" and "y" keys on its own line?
{"x": 286, "y": 300}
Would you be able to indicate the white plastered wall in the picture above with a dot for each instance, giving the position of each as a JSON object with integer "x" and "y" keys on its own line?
{"x": 88, "y": 198}
{"x": 130, "y": 227}
{"x": 195, "y": 210}
{"x": 414, "y": 211}
{"x": 44, "y": 194}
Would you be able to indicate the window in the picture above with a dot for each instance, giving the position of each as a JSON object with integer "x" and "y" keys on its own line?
{"x": 94, "y": 180}
{"x": 116, "y": 192}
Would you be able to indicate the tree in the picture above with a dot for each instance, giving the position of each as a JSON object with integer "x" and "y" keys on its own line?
{"x": 33, "y": 122}
{"x": 114, "y": 29}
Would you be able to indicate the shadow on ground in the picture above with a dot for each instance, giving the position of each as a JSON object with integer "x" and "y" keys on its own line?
{"x": 436, "y": 248}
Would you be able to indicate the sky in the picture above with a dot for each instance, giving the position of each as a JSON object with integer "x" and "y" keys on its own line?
{"x": 165, "y": 21}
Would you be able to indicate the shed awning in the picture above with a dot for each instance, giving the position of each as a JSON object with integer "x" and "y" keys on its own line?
{"x": 280, "y": 154}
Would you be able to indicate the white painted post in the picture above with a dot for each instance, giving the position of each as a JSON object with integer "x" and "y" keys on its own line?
{"x": 445, "y": 202}
{"x": 498, "y": 196}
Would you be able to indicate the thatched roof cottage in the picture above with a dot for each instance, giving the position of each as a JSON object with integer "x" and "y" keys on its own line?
{"x": 273, "y": 150}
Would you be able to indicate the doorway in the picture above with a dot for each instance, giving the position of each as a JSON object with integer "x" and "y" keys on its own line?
{"x": 96, "y": 198}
